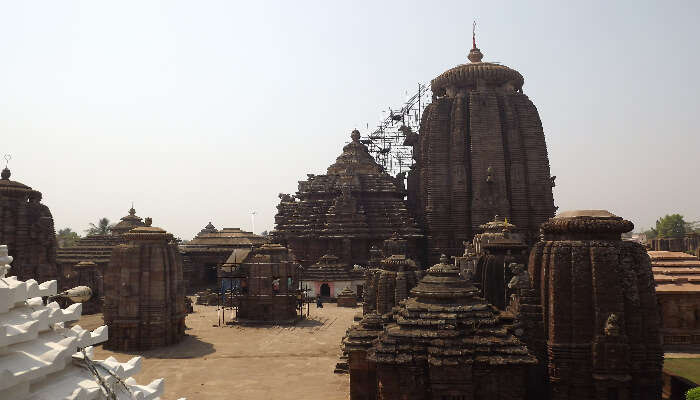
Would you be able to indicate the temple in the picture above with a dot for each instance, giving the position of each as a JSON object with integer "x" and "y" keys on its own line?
{"x": 354, "y": 206}
{"x": 144, "y": 291}
{"x": 480, "y": 152}
{"x": 204, "y": 254}
{"x": 26, "y": 226}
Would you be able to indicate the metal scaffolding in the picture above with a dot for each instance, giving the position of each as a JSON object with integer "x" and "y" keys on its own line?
{"x": 386, "y": 142}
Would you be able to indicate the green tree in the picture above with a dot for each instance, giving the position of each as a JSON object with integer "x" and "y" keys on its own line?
{"x": 66, "y": 237}
{"x": 670, "y": 226}
{"x": 693, "y": 394}
{"x": 103, "y": 227}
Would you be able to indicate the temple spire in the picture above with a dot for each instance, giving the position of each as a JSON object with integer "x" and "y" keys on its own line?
{"x": 474, "y": 35}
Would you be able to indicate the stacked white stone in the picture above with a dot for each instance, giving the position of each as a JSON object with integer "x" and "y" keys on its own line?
{"x": 41, "y": 359}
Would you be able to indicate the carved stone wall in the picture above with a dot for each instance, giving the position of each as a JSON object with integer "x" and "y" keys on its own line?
{"x": 600, "y": 318}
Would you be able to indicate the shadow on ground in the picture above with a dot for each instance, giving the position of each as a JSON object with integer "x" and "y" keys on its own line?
{"x": 309, "y": 323}
{"x": 191, "y": 346}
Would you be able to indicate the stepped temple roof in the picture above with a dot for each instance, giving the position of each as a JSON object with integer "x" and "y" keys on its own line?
{"x": 95, "y": 248}
{"x": 675, "y": 272}
{"x": 445, "y": 323}
{"x": 210, "y": 239}
{"x": 127, "y": 223}
{"x": 356, "y": 198}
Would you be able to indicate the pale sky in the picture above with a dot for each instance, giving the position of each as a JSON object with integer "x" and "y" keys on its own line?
{"x": 202, "y": 111}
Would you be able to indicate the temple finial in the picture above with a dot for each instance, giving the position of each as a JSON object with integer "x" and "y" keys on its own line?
{"x": 6, "y": 171}
{"x": 475, "y": 55}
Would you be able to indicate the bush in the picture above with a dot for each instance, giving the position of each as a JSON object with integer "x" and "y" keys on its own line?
{"x": 693, "y": 394}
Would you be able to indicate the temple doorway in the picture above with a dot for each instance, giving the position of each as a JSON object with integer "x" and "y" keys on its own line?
{"x": 211, "y": 273}
{"x": 325, "y": 290}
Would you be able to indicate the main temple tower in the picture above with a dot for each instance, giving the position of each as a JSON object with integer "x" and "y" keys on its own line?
{"x": 480, "y": 152}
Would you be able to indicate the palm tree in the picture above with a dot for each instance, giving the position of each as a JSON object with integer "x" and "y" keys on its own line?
{"x": 103, "y": 227}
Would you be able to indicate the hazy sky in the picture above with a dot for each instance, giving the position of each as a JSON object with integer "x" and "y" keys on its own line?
{"x": 205, "y": 110}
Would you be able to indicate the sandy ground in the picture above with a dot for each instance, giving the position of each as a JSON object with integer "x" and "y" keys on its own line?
{"x": 234, "y": 362}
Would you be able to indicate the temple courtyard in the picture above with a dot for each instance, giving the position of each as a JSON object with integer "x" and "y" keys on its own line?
{"x": 281, "y": 362}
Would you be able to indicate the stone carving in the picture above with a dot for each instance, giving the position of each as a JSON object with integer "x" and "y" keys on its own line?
{"x": 612, "y": 325}
{"x": 520, "y": 279}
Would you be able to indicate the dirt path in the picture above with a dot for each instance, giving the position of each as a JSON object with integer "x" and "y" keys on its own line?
{"x": 280, "y": 362}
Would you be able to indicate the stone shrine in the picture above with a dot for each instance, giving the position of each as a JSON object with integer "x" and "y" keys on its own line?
{"x": 480, "y": 152}
{"x": 495, "y": 257}
{"x": 267, "y": 286}
{"x": 144, "y": 291}
{"x": 447, "y": 343}
{"x": 354, "y": 206}
{"x": 598, "y": 334}
{"x": 347, "y": 298}
{"x": 329, "y": 277}
{"x": 26, "y": 226}
{"x": 390, "y": 283}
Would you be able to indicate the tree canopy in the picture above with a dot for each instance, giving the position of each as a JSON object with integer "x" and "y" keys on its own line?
{"x": 669, "y": 226}
{"x": 66, "y": 237}
{"x": 103, "y": 227}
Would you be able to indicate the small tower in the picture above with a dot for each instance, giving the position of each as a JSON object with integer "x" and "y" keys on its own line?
{"x": 600, "y": 327}
{"x": 26, "y": 226}
{"x": 144, "y": 303}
